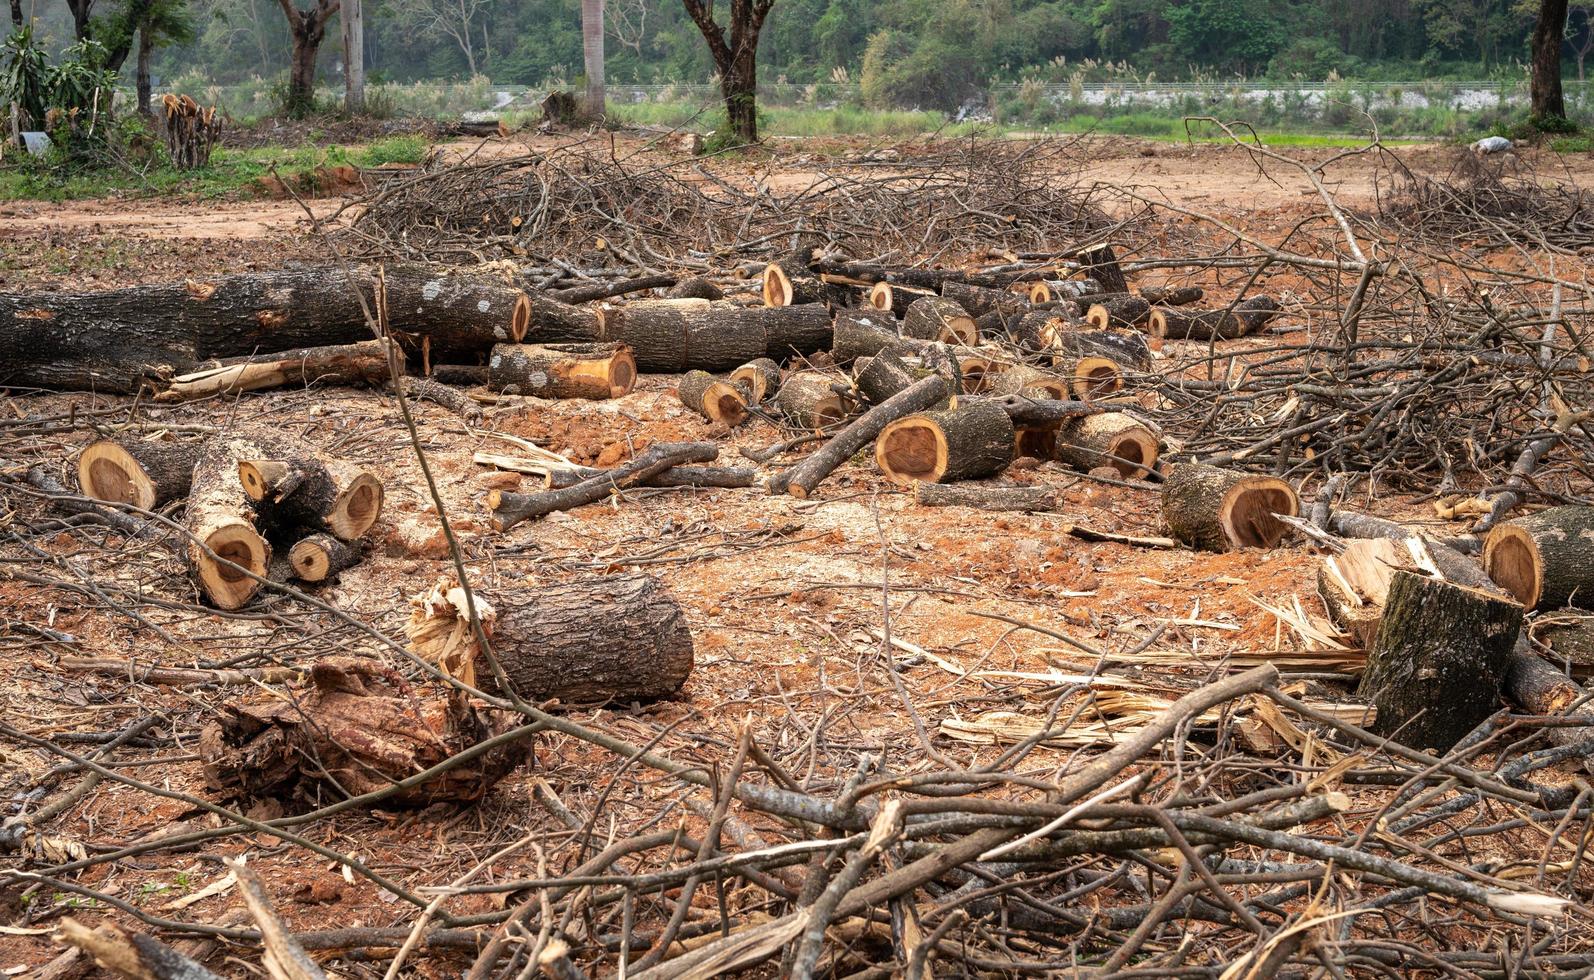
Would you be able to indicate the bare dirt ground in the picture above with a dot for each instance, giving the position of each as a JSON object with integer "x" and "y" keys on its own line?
{"x": 785, "y": 598}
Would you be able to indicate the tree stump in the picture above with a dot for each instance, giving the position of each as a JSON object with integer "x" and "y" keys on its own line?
{"x": 1546, "y": 559}
{"x": 968, "y": 442}
{"x": 1438, "y": 660}
{"x": 1221, "y": 510}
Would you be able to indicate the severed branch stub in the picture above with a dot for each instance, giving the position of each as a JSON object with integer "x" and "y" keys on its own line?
{"x": 800, "y": 480}
{"x": 509, "y": 509}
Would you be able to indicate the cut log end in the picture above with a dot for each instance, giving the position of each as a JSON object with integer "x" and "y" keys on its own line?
{"x": 108, "y": 472}
{"x": 1220, "y": 510}
{"x": 912, "y": 450}
{"x": 778, "y": 289}
{"x": 1096, "y": 377}
{"x": 1134, "y": 452}
{"x": 260, "y": 476}
{"x": 1512, "y": 559}
{"x": 320, "y": 556}
{"x": 1248, "y": 512}
{"x": 882, "y": 297}
{"x": 357, "y": 508}
{"x": 520, "y": 318}
{"x": 723, "y": 403}
{"x": 240, "y": 544}
{"x": 1157, "y": 325}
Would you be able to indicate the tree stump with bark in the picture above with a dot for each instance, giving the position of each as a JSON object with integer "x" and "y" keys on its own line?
{"x": 1222, "y": 510}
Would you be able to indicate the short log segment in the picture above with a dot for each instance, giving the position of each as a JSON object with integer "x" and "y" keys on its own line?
{"x": 862, "y": 333}
{"x": 1172, "y": 295}
{"x": 554, "y": 321}
{"x": 295, "y": 489}
{"x": 1221, "y": 510}
{"x": 1052, "y": 290}
{"x": 789, "y": 281}
{"x": 714, "y": 399}
{"x": 1546, "y": 559}
{"x": 1042, "y": 413}
{"x": 509, "y": 509}
{"x": 980, "y": 300}
{"x": 1100, "y": 262}
{"x": 456, "y": 312}
{"x": 761, "y": 377}
{"x": 1021, "y": 379}
{"x": 718, "y": 477}
{"x": 593, "y": 371}
{"x": 354, "y": 365}
{"x": 895, "y": 298}
{"x": 674, "y": 336}
{"x": 941, "y": 320}
{"x": 221, "y": 525}
{"x": 982, "y": 497}
{"x": 1247, "y": 317}
{"x": 800, "y": 480}
{"x": 695, "y": 288}
{"x": 1109, "y": 439}
{"x": 612, "y": 638}
{"x": 1438, "y": 660}
{"x": 138, "y": 472}
{"x": 1120, "y": 312}
{"x": 359, "y": 729}
{"x": 881, "y": 376}
{"x": 809, "y": 400}
{"x": 318, "y": 557}
{"x": 1096, "y": 361}
{"x": 971, "y": 441}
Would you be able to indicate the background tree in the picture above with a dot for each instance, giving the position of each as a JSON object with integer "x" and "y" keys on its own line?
{"x": 17, "y": 20}
{"x": 114, "y": 32}
{"x": 309, "y": 28}
{"x": 592, "y": 54}
{"x": 167, "y": 21}
{"x": 1585, "y": 38}
{"x": 735, "y": 58}
{"x": 1545, "y": 95}
{"x": 353, "y": 19}
{"x": 456, "y": 20}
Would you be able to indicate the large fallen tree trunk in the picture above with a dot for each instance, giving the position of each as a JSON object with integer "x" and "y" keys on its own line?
{"x": 1221, "y": 510}
{"x": 595, "y": 371}
{"x": 619, "y": 637}
{"x": 359, "y": 729}
{"x": 365, "y": 363}
{"x": 120, "y": 339}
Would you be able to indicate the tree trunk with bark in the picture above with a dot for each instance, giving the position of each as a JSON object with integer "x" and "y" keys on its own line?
{"x": 308, "y": 28}
{"x": 1546, "y": 98}
{"x": 735, "y": 55}
{"x": 592, "y": 54}
{"x": 146, "y": 47}
{"x": 353, "y": 57}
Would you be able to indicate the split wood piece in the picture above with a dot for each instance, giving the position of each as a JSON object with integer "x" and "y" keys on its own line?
{"x": 1570, "y": 637}
{"x": 1355, "y": 583}
{"x": 895, "y": 298}
{"x": 509, "y": 509}
{"x": 303, "y": 490}
{"x": 592, "y": 371}
{"x": 1026, "y": 411}
{"x": 809, "y": 400}
{"x": 984, "y": 497}
{"x": 761, "y": 377}
{"x": 674, "y": 336}
{"x": 1247, "y": 317}
{"x": 1021, "y": 379}
{"x": 1546, "y": 559}
{"x": 221, "y": 521}
{"x": 980, "y": 300}
{"x": 354, "y": 365}
{"x": 790, "y": 280}
{"x": 968, "y": 442}
{"x": 1052, "y": 290}
{"x": 1110, "y": 439}
{"x": 800, "y": 480}
{"x": 863, "y": 333}
{"x": 554, "y": 321}
{"x": 1436, "y": 665}
{"x": 1221, "y": 510}
{"x": 714, "y": 399}
{"x": 118, "y": 340}
{"x": 1122, "y": 312}
{"x": 610, "y": 638}
{"x": 940, "y": 320}
{"x": 1172, "y": 295}
{"x": 358, "y": 729}
{"x": 318, "y": 557}
{"x": 140, "y": 472}
{"x": 1100, "y": 263}
{"x": 609, "y": 290}
{"x": 126, "y": 953}
{"x": 695, "y": 288}
{"x": 717, "y": 477}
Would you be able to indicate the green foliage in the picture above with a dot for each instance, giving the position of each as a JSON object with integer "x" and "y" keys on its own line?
{"x": 27, "y": 76}
{"x": 1240, "y": 35}
{"x": 929, "y": 72}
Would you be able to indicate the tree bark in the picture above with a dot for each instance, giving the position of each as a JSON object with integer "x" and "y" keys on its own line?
{"x": 672, "y": 336}
{"x": 308, "y": 28}
{"x": 1444, "y": 639}
{"x": 592, "y": 55}
{"x": 1120, "y": 312}
{"x": 1222, "y": 510}
{"x": 809, "y": 401}
{"x": 1247, "y": 317}
{"x": 611, "y": 638}
{"x": 146, "y": 45}
{"x": 941, "y": 320}
{"x": 1545, "y": 85}
{"x": 353, "y": 23}
{"x": 594, "y": 371}
{"x": 982, "y": 497}
{"x": 1100, "y": 263}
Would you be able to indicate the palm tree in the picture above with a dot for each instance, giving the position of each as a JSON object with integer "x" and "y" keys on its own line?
{"x": 592, "y": 53}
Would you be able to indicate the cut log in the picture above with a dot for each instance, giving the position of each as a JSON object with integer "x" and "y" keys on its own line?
{"x": 695, "y": 288}
{"x": 365, "y": 363}
{"x": 940, "y": 320}
{"x": 809, "y": 400}
{"x": 1109, "y": 439}
{"x": 714, "y": 399}
{"x": 612, "y": 638}
{"x": 1247, "y": 317}
{"x": 980, "y": 300}
{"x": 1100, "y": 263}
{"x": 1097, "y": 361}
{"x": 359, "y": 729}
{"x": 971, "y": 441}
{"x": 761, "y": 377}
{"x": 1021, "y": 379}
{"x": 1437, "y": 638}
{"x": 982, "y": 497}
{"x": 675, "y": 336}
{"x": 727, "y": 477}
{"x": 509, "y": 509}
{"x": 895, "y": 298}
{"x": 318, "y": 557}
{"x": 800, "y": 480}
{"x": 980, "y": 367}
{"x": 125, "y": 953}
{"x": 1120, "y": 312}
{"x": 554, "y": 321}
{"x": 881, "y": 376}
{"x": 790, "y": 280}
{"x": 1051, "y": 290}
{"x": 459, "y": 375}
{"x": 795, "y": 331}
{"x": 1039, "y": 413}
{"x": 1221, "y": 510}
{"x": 478, "y": 128}
{"x": 1541, "y": 689}
{"x": 861, "y": 333}
{"x": 1172, "y": 295}
{"x": 1570, "y": 637}
{"x": 609, "y": 290}
{"x": 921, "y": 279}
{"x": 293, "y": 488}
{"x": 221, "y": 523}
{"x": 120, "y": 339}
{"x": 1546, "y": 559}
{"x": 140, "y": 472}
{"x": 593, "y": 371}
